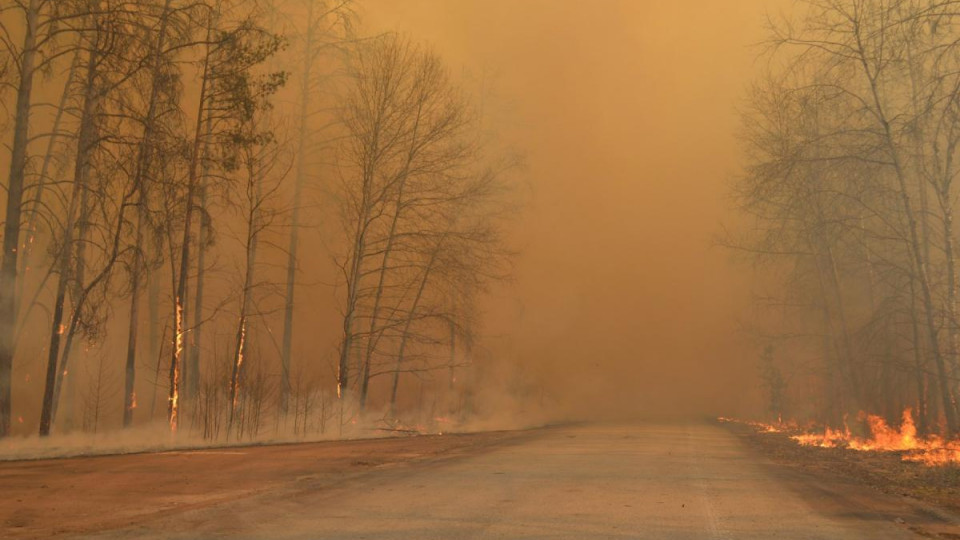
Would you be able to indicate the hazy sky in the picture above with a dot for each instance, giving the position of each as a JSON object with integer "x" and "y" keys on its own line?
{"x": 626, "y": 111}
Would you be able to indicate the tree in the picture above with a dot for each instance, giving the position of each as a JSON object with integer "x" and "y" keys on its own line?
{"x": 417, "y": 205}
{"x": 327, "y": 26}
{"x": 852, "y": 147}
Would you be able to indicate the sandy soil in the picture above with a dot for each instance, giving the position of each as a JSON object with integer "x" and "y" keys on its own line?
{"x": 46, "y": 498}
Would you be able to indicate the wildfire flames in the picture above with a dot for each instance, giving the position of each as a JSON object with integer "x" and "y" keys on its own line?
{"x": 236, "y": 377}
{"x": 930, "y": 450}
{"x": 175, "y": 383}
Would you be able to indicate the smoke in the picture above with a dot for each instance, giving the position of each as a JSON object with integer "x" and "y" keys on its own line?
{"x": 619, "y": 305}
{"x": 627, "y": 113}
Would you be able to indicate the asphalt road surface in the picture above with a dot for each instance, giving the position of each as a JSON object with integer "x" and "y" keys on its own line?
{"x": 660, "y": 482}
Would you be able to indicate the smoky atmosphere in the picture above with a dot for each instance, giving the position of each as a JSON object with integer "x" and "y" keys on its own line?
{"x": 479, "y": 269}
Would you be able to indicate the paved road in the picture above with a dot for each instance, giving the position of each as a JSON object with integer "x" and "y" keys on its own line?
{"x": 610, "y": 482}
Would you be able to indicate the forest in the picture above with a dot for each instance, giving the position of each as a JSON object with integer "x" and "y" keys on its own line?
{"x": 195, "y": 184}
{"x": 850, "y": 137}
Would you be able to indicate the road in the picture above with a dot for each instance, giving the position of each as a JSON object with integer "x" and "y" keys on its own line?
{"x": 663, "y": 482}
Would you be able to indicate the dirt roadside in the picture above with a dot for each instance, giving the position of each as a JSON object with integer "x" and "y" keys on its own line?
{"x": 46, "y": 498}
{"x": 926, "y": 500}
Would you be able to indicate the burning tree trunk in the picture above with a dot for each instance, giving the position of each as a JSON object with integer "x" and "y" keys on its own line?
{"x": 173, "y": 408}
{"x": 252, "y": 232}
{"x": 144, "y": 164}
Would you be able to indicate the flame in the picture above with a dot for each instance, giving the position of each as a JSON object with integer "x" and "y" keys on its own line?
{"x": 830, "y": 438}
{"x": 779, "y": 427}
{"x": 178, "y": 349}
{"x": 886, "y": 438}
{"x": 133, "y": 400}
{"x": 930, "y": 450}
{"x": 20, "y": 419}
{"x": 236, "y": 379}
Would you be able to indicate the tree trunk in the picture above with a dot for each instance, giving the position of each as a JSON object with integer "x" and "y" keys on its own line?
{"x": 241, "y": 335}
{"x": 84, "y": 145}
{"x": 287, "y": 346}
{"x": 192, "y": 382}
{"x": 401, "y": 351}
{"x": 180, "y": 293}
{"x": 11, "y": 227}
{"x": 31, "y": 224}
{"x": 144, "y": 163}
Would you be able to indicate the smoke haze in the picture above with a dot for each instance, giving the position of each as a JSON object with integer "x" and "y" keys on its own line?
{"x": 626, "y": 112}
{"x": 624, "y": 115}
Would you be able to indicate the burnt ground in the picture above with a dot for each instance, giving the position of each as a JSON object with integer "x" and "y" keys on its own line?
{"x": 74, "y": 496}
{"x": 925, "y": 489}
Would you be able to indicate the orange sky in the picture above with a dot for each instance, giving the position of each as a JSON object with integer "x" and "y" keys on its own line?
{"x": 626, "y": 111}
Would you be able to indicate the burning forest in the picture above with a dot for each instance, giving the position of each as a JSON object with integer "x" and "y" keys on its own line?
{"x": 930, "y": 450}
{"x": 480, "y": 269}
{"x": 190, "y": 180}
{"x": 849, "y": 201}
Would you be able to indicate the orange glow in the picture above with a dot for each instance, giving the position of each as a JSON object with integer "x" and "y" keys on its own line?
{"x": 178, "y": 349}
{"x": 931, "y": 450}
{"x": 236, "y": 379}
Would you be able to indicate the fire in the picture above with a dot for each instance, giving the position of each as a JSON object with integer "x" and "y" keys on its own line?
{"x": 930, "y": 450}
{"x": 886, "y": 438}
{"x": 339, "y": 383}
{"x": 175, "y": 383}
{"x": 133, "y": 400}
{"x": 779, "y": 427}
{"x": 830, "y": 438}
{"x": 883, "y": 438}
{"x": 236, "y": 379}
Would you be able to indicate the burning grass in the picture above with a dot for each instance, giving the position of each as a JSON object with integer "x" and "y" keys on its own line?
{"x": 930, "y": 450}
{"x": 934, "y": 481}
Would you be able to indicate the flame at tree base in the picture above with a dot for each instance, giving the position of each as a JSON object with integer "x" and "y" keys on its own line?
{"x": 929, "y": 450}
{"x": 174, "y": 410}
